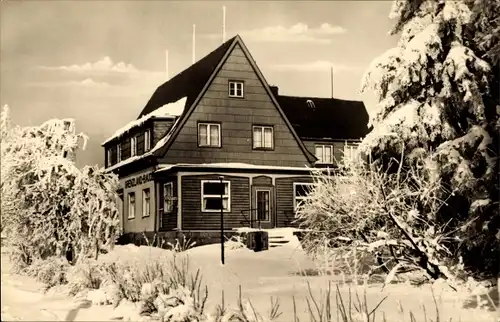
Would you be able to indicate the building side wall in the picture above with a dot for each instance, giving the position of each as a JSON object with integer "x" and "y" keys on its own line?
{"x": 139, "y": 223}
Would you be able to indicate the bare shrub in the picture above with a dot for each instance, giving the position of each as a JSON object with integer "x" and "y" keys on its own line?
{"x": 51, "y": 271}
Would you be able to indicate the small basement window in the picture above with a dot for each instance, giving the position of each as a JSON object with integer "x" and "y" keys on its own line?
{"x": 211, "y": 193}
{"x": 301, "y": 192}
{"x": 209, "y": 135}
{"x": 236, "y": 89}
{"x": 263, "y": 137}
{"x": 131, "y": 205}
{"x": 324, "y": 154}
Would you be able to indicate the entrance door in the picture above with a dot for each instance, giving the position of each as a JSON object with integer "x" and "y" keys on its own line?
{"x": 263, "y": 207}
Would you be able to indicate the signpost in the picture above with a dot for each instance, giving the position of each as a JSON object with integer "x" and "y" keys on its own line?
{"x": 221, "y": 220}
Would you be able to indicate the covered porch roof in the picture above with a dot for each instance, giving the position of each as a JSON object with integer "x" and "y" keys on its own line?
{"x": 234, "y": 167}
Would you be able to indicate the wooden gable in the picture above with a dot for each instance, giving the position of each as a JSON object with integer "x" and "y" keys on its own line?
{"x": 236, "y": 117}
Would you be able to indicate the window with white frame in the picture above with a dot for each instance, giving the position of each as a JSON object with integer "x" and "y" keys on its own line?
{"x": 133, "y": 146}
{"x": 131, "y": 205}
{"x": 147, "y": 141}
{"x": 118, "y": 152}
{"x": 211, "y": 193}
{"x": 324, "y": 153}
{"x": 301, "y": 192}
{"x": 235, "y": 89}
{"x": 350, "y": 151}
{"x": 146, "y": 202}
{"x": 263, "y": 137}
{"x": 209, "y": 134}
{"x": 168, "y": 197}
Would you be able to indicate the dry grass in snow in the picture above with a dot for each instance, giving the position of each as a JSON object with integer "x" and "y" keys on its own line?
{"x": 261, "y": 276}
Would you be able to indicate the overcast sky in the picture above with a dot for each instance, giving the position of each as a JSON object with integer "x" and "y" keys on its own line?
{"x": 99, "y": 61}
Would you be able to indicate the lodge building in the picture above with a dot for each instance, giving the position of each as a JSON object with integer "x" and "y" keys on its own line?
{"x": 219, "y": 121}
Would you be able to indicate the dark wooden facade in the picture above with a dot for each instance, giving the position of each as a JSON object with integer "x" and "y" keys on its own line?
{"x": 261, "y": 197}
{"x": 236, "y": 117}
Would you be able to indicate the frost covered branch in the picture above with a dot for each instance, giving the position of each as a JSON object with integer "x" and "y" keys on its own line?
{"x": 49, "y": 206}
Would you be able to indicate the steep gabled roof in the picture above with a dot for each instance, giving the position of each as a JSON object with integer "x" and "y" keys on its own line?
{"x": 320, "y": 118}
{"x": 189, "y": 82}
{"x": 192, "y": 104}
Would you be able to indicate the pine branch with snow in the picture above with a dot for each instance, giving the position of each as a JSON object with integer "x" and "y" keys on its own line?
{"x": 438, "y": 99}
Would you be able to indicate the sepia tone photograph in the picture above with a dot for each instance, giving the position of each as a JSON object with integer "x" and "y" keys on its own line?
{"x": 250, "y": 161}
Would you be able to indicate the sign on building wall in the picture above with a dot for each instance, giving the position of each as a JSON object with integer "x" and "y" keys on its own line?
{"x": 138, "y": 180}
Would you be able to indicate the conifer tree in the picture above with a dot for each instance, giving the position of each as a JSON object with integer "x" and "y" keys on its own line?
{"x": 438, "y": 100}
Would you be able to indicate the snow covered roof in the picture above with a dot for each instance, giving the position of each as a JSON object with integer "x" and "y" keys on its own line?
{"x": 167, "y": 167}
{"x": 189, "y": 83}
{"x": 157, "y": 146}
{"x": 170, "y": 110}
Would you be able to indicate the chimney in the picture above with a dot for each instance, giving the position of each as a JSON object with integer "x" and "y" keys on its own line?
{"x": 274, "y": 90}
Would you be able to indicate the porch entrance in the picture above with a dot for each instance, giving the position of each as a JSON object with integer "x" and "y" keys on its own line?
{"x": 263, "y": 210}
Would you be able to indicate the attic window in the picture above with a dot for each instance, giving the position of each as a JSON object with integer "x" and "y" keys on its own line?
{"x": 235, "y": 89}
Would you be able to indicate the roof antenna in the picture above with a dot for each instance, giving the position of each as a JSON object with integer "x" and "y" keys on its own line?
{"x": 331, "y": 79}
{"x": 194, "y": 43}
{"x": 166, "y": 64}
{"x": 223, "y": 24}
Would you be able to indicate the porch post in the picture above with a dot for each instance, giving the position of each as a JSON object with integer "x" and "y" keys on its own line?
{"x": 179, "y": 201}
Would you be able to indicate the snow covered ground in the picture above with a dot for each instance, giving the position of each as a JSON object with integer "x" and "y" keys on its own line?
{"x": 261, "y": 275}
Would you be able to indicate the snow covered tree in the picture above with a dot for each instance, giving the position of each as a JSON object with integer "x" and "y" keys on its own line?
{"x": 49, "y": 205}
{"x": 437, "y": 103}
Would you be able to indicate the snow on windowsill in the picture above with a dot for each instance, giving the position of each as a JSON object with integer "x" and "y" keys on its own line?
{"x": 172, "y": 110}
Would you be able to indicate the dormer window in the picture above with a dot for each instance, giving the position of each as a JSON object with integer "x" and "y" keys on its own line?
{"x": 236, "y": 89}
{"x": 119, "y": 152}
{"x": 133, "y": 146}
{"x": 109, "y": 157}
{"x": 147, "y": 141}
